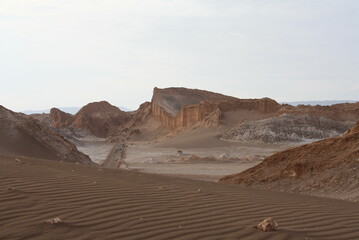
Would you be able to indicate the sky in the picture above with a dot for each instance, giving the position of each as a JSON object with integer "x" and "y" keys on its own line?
{"x": 58, "y": 53}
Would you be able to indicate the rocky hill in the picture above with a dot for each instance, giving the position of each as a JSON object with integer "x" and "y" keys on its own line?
{"x": 99, "y": 118}
{"x": 21, "y": 135}
{"x": 287, "y": 128}
{"x": 178, "y": 108}
{"x": 328, "y": 167}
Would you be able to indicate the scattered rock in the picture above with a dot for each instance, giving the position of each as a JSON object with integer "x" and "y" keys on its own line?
{"x": 150, "y": 160}
{"x": 199, "y": 190}
{"x": 17, "y": 160}
{"x": 124, "y": 166}
{"x": 224, "y": 156}
{"x": 55, "y": 220}
{"x": 268, "y": 224}
{"x": 179, "y": 152}
{"x": 10, "y": 188}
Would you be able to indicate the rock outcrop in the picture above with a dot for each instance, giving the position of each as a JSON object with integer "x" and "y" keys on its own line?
{"x": 328, "y": 167}
{"x": 338, "y": 112}
{"x": 22, "y": 135}
{"x": 287, "y": 128}
{"x": 99, "y": 118}
{"x": 179, "y": 108}
{"x": 267, "y": 225}
{"x": 59, "y": 118}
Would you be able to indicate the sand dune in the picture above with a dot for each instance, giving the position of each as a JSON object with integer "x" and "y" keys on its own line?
{"x": 110, "y": 204}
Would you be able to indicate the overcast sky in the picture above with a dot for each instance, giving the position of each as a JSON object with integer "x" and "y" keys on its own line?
{"x": 72, "y": 52}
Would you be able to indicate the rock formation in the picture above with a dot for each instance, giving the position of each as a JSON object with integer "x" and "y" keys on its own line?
{"x": 268, "y": 224}
{"x": 179, "y": 108}
{"x": 22, "y": 135}
{"x": 99, "y": 118}
{"x": 328, "y": 167}
{"x": 59, "y": 118}
{"x": 287, "y": 128}
{"x": 338, "y": 112}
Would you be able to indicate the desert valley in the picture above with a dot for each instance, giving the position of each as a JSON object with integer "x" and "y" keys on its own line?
{"x": 188, "y": 164}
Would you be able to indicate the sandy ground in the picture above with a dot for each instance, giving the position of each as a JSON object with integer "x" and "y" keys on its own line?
{"x": 96, "y": 203}
{"x": 151, "y": 158}
{"x": 96, "y": 148}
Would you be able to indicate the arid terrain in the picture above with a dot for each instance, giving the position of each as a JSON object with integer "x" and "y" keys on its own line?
{"x": 153, "y": 173}
{"x": 96, "y": 203}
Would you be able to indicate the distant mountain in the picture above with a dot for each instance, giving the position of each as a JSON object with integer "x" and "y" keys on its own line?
{"x": 322, "y": 103}
{"x": 71, "y": 110}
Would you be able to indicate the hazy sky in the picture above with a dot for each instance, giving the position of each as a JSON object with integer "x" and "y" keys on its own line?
{"x": 72, "y": 52}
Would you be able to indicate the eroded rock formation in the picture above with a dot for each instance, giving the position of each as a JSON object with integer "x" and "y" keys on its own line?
{"x": 99, "y": 118}
{"x": 179, "y": 108}
{"x": 287, "y": 128}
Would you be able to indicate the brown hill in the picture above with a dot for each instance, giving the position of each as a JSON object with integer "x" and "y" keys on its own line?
{"x": 329, "y": 167}
{"x": 99, "y": 118}
{"x": 179, "y": 108}
{"x": 21, "y": 135}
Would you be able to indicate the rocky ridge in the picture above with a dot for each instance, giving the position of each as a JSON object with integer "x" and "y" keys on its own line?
{"x": 287, "y": 128}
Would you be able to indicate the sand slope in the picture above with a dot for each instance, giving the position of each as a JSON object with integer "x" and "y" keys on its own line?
{"x": 110, "y": 204}
{"x": 26, "y": 136}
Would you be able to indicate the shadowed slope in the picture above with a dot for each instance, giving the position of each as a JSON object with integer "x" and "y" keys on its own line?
{"x": 21, "y": 135}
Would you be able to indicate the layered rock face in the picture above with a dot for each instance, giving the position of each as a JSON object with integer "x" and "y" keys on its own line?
{"x": 179, "y": 108}
{"x": 287, "y": 128}
{"x": 329, "y": 168}
{"x": 99, "y": 118}
{"x": 21, "y": 135}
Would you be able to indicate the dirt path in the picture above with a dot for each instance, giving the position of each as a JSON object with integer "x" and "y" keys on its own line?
{"x": 115, "y": 157}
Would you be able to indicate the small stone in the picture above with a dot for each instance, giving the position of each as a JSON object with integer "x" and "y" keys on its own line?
{"x": 268, "y": 224}
{"x": 55, "y": 220}
{"x": 199, "y": 190}
{"x": 10, "y": 188}
{"x": 17, "y": 160}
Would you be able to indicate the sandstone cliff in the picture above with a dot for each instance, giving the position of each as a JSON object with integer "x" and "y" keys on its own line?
{"x": 328, "y": 168}
{"x": 179, "y": 108}
{"x": 26, "y": 136}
